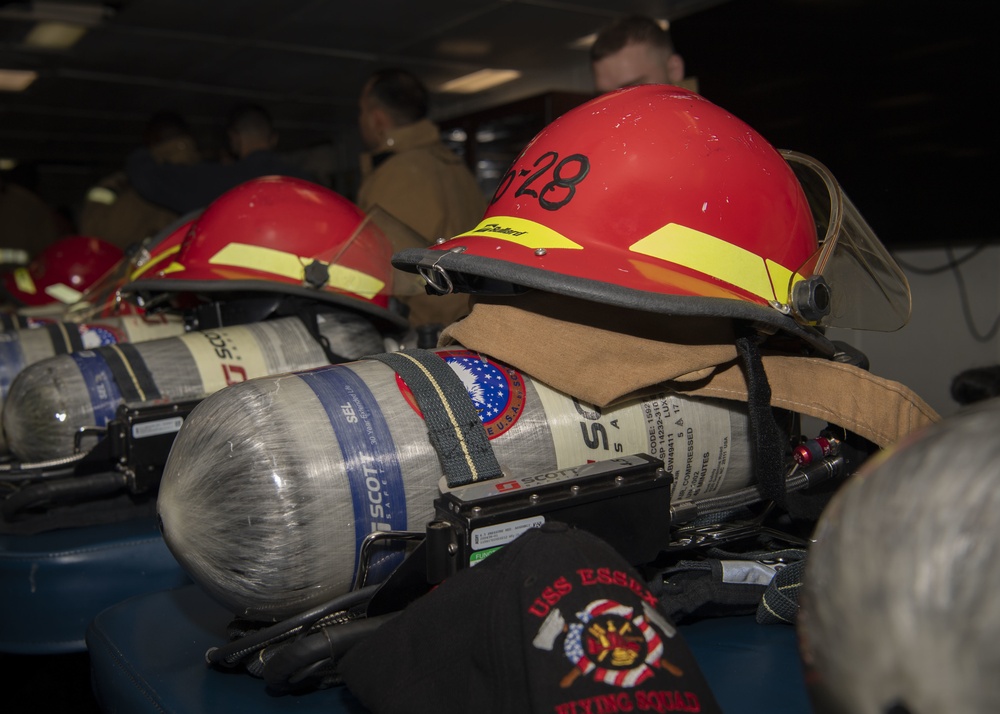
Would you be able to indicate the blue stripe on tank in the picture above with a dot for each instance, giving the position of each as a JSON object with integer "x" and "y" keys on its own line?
{"x": 370, "y": 459}
{"x": 11, "y": 359}
{"x": 101, "y": 386}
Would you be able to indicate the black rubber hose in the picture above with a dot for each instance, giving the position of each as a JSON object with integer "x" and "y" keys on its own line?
{"x": 229, "y": 655}
{"x": 76, "y": 488}
{"x": 330, "y": 643}
{"x": 831, "y": 467}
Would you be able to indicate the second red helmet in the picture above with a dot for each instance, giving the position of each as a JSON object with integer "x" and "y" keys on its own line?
{"x": 286, "y": 235}
{"x": 62, "y": 272}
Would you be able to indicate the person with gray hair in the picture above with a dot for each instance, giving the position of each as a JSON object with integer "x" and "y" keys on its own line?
{"x": 899, "y": 609}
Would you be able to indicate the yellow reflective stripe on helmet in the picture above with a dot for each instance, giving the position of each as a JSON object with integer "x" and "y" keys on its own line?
{"x": 145, "y": 267}
{"x": 102, "y": 194}
{"x": 354, "y": 281}
{"x": 291, "y": 266}
{"x": 713, "y": 256}
{"x": 22, "y": 278}
{"x": 63, "y": 293}
{"x": 172, "y": 268}
{"x": 522, "y": 232}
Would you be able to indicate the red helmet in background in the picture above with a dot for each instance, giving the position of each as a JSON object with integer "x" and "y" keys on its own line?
{"x": 655, "y": 199}
{"x": 103, "y": 298}
{"x": 62, "y": 272}
{"x": 279, "y": 234}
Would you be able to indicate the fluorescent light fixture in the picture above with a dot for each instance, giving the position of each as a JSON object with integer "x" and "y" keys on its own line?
{"x": 584, "y": 42}
{"x": 479, "y": 81}
{"x": 74, "y": 13}
{"x": 7, "y": 164}
{"x": 54, "y": 35}
{"x": 16, "y": 80}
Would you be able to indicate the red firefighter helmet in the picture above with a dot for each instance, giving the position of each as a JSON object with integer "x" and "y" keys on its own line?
{"x": 62, "y": 272}
{"x": 285, "y": 235}
{"x": 655, "y": 199}
{"x": 103, "y": 298}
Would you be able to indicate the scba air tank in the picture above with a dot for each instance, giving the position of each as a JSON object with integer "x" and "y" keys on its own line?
{"x": 272, "y": 485}
{"x": 50, "y": 400}
{"x": 31, "y": 340}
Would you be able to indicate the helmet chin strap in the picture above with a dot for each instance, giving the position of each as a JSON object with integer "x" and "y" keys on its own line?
{"x": 766, "y": 439}
{"x": 308, "y": 312}
{"x": 241, "y": 311}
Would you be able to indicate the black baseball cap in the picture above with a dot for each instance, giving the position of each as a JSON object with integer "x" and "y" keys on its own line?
{"x": 556, "y": 622}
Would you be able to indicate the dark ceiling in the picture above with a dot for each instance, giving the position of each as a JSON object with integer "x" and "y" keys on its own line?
{"x": 895, "y": 97}
{"x": 305, "y": 60}
{"x": 889, "y": 94}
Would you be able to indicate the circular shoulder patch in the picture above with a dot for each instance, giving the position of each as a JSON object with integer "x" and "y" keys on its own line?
{"x": 496, "y": 390}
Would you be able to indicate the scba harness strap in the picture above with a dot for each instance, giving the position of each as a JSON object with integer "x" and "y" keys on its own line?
{"x": 453, "y": 424}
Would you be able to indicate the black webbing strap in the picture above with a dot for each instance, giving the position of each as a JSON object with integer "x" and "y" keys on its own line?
{"x": 780, "y": 602}
{"x": 131, "y": 374}
{"x": 65, "y": 337}
{"x": 765, "y": 436}
{"x": 454, "y": 426}
{"x": 12, "y": 321}
{"x": 308, "y": 314}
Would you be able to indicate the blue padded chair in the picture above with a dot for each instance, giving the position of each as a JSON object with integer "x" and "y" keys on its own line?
{"x": 52, "y": 584}
{"x": 147, "y": 655}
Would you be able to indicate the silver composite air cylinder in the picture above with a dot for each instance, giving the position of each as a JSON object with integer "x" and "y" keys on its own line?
{"x": 36, "y": 339}
{"x": 50, "y": 400}
{"x": 272, "y": 485}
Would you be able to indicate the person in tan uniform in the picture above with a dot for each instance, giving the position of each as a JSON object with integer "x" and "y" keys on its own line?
{"x": 409, "y": 172}
{"x": 27, "y": 224}
{"x": 114, "y": 210}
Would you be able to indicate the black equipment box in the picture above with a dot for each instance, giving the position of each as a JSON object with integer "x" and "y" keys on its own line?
{"x": 625, "y": 501}
{"x": 138, "y": 440}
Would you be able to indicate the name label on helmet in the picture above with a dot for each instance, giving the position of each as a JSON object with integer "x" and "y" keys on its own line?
{"x": 523, "y": 232}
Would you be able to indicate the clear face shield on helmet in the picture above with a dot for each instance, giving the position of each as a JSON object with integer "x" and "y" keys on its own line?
{"x": 399, "y": 236}
{"x": 102, "y": 299}
{"x": 851, "y": 281}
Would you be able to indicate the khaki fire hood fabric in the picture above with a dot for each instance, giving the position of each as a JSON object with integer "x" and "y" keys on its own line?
{"x": 603, "y": 354}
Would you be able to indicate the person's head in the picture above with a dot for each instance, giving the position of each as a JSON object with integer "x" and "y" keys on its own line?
{"x": 391, "y": 98}
{"x": 250, "y": 129}
{"x": 634, "y": 50}
{"x": 164, "y": 126}
{"x": 169, "y": 139}
{"x": 899, "y": 612}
